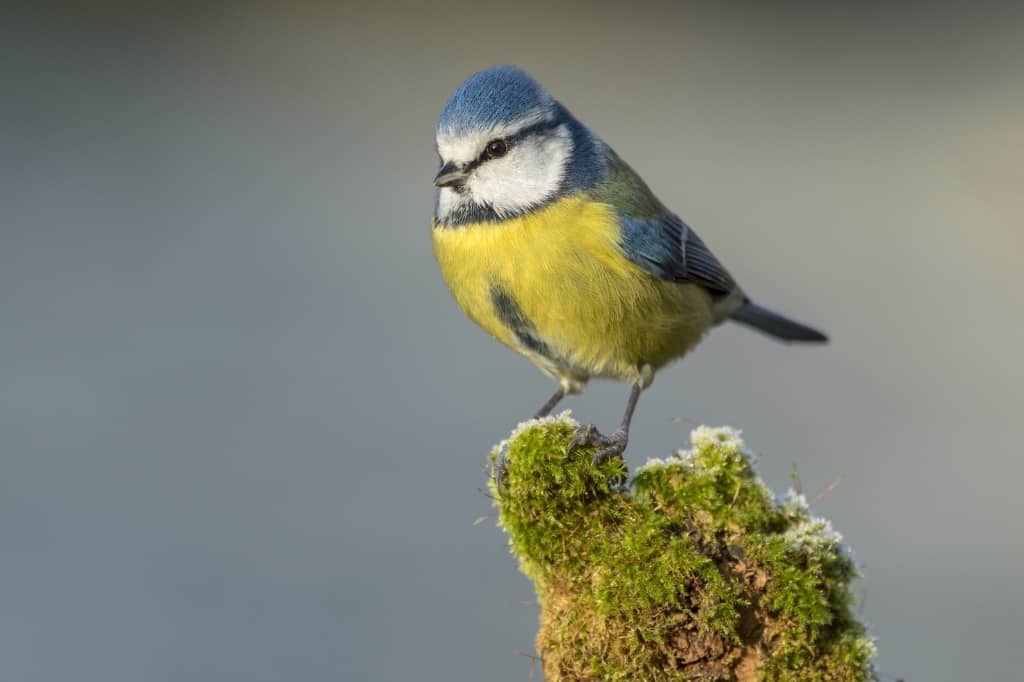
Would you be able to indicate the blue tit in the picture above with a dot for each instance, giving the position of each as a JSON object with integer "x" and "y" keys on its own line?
{"x": 555, "y": 246}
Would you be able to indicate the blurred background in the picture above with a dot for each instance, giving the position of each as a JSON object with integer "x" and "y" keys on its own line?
{"x": 243, "y": 426}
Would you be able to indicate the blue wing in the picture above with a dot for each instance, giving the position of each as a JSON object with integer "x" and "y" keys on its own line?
{"x": 667, "y": 248}
{"x": 655, "y": 238}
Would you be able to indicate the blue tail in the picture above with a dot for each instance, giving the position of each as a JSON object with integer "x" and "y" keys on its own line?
{"x": 776, "y": 325}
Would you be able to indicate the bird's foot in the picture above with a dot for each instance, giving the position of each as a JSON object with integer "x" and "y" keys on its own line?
{"x": 607, "y": 446}
{"x": 498, "y": 471}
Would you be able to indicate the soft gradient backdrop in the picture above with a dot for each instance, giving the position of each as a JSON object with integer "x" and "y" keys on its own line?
{"x": 243, "y": 426}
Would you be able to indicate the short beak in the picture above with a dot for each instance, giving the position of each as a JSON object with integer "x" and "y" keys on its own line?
{"x": 450, "y": 175}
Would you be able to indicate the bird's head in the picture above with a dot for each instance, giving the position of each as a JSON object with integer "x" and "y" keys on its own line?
{"x": 506, "y": 147}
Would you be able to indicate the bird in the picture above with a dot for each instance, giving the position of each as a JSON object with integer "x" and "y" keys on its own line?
{"x": 554, "y": 245}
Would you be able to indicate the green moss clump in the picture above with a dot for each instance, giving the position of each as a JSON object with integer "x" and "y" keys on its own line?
{"x": 692, "y": 572}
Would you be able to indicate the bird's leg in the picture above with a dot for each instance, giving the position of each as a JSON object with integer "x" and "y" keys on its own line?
{"x": 608, "y": 446}
{"x": 545, "y": 410}
{"x": 501, "y": 464}
{"x": 565, "y": 388}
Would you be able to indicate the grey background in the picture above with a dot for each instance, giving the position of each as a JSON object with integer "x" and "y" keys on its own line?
{"x": 243, "y": 425}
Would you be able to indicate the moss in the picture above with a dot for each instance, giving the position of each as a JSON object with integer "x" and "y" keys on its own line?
{"x": 694, "y": 571}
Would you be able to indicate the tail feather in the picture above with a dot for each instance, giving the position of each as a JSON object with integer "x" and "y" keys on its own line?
{"x": 776, "y": 325}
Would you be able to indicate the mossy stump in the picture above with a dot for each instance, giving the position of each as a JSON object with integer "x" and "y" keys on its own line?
{"x": 691, "y": 572}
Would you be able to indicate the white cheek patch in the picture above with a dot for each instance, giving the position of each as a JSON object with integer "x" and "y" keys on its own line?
{"x": 531, "y": 172}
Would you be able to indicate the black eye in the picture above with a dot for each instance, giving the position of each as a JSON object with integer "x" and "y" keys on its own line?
{"x": 496, "y": 148}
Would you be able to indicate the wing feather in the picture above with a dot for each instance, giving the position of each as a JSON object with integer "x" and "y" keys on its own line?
{"x": 655, "y": 238}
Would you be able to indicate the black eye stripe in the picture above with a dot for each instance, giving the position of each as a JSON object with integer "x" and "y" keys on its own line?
{"x": 511, "y": 141}
{"x": 530, "y": 130}
{"x": 473, "y": 165}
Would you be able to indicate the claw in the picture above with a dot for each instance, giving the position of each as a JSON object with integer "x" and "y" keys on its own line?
{"x": 608, "y": 446}
{"x": 498, "y": 472}
{"x": 616, "y": 446}
{"x": 585, "y": 435}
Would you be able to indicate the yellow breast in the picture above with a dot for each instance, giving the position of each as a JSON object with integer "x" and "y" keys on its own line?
{"x": 555, "y": 286}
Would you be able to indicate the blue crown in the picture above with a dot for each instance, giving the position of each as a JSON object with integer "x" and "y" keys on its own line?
{"x": 491, "y": 97}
